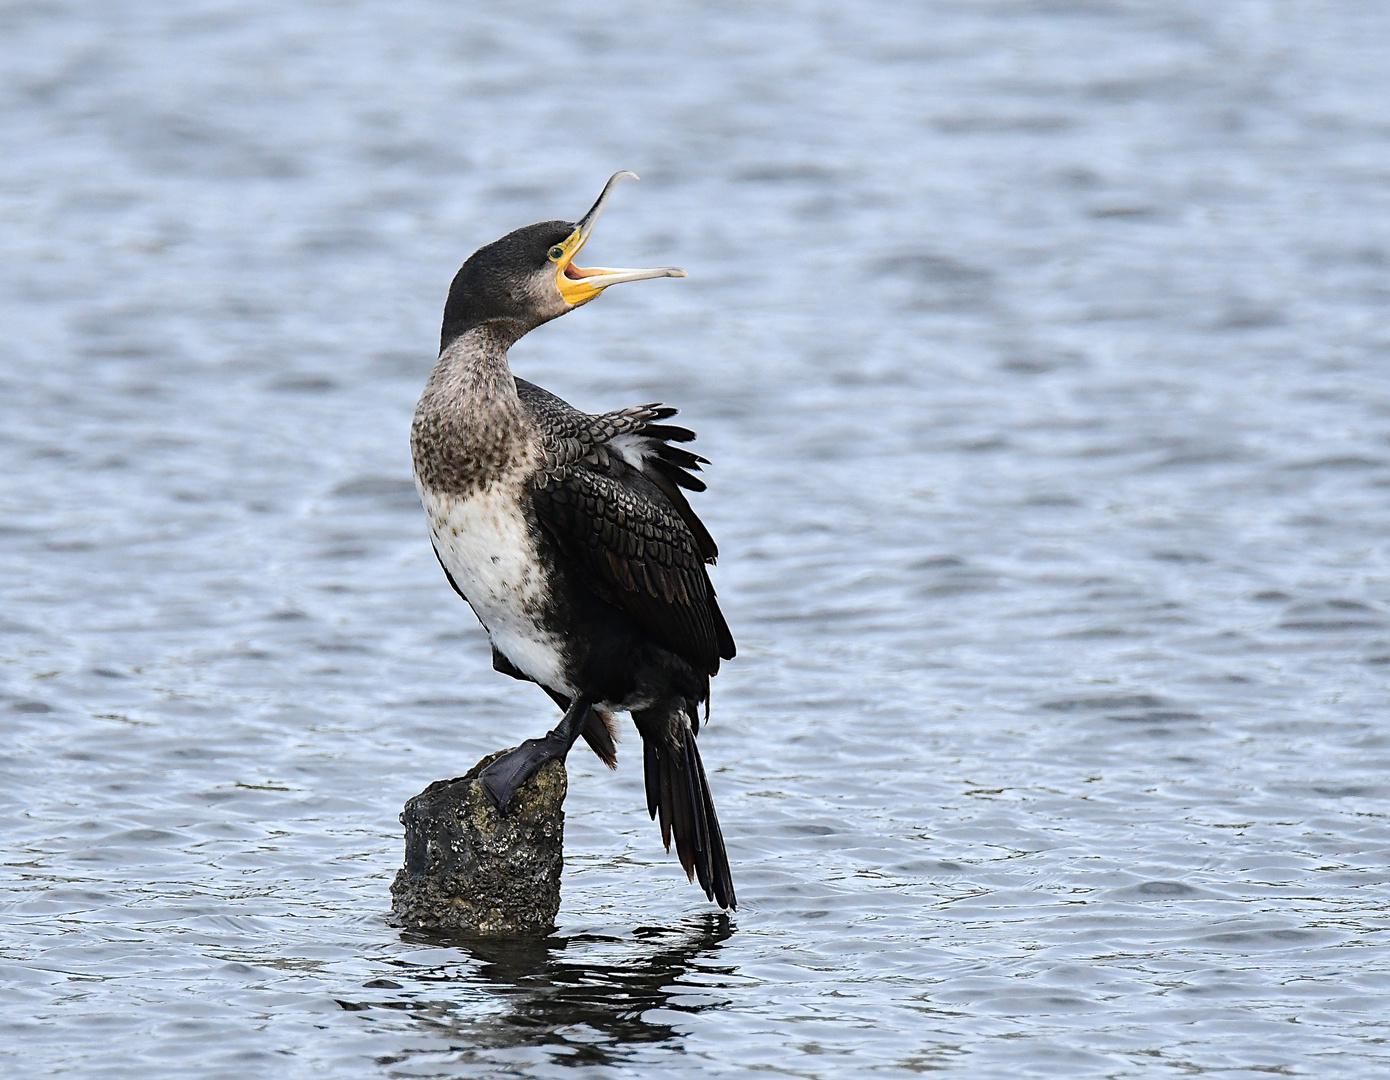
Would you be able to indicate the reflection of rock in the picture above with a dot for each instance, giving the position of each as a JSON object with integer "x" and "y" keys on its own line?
{"x": 470, "y": 870}
{"x": 582, "y": 1000}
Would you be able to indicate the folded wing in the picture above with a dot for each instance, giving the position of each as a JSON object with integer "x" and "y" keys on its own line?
{"x": 610, "y": 494}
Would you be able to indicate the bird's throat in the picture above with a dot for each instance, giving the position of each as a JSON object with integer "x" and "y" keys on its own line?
{"x": 469, "y": 430}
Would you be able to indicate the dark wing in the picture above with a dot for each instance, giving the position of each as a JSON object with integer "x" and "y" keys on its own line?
{"x": 638, "y": 555}
{"x": 569, "y": 436}
{"x": 617, "y": 511}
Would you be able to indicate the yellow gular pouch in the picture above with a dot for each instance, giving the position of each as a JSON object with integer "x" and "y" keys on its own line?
{"x": 578, "y": 284}
{"x": 570, "y": 279}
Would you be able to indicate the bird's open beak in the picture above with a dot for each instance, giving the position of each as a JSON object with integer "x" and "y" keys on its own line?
{"x": 577, "y": 284}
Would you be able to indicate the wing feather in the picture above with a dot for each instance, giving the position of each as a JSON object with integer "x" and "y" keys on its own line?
{"x": 637, "y": 554}
{"x": 610, "y": 494}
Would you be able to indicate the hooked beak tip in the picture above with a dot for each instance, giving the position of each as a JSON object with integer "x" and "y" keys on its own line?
{"x": 586, "y": 223}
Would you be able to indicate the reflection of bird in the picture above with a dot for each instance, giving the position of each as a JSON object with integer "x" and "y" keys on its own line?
{"x": 593, "y": 999}
{"x": 570, "y": 538}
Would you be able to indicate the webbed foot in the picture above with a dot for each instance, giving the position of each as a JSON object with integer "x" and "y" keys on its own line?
{"x": 501, "y": 779}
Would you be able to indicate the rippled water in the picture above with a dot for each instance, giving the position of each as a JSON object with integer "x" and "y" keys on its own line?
{"x": 1041, "y": 351}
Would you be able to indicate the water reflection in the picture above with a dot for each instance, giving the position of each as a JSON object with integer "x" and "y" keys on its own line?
{"x": 584, "y": 999}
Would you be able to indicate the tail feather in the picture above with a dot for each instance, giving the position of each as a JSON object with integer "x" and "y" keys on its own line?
{"x": 723, "y": 884}
{"x": 665, "y": 808}
{"x": 683, "y": 821}
{"x": 678, "y": 795}
{"x": 601, "y": 733}
{"x": 651, "y": 774}
{"x": 695, "y": 794}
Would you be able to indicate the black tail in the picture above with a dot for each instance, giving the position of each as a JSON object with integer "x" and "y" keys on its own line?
{"x": 678, "y": 792}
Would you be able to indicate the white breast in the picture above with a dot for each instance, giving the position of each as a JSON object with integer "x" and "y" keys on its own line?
{"x": 484, "y": 541}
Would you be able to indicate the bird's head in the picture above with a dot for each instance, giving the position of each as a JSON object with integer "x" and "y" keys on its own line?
{"x": 529, "y": 276}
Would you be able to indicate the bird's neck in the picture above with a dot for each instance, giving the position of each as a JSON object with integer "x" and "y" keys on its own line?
{"x": 474, "y": 366}
{"x": 470, "y": 429}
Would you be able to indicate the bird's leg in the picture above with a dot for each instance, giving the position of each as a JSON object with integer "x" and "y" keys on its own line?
{"x": 501, "y": 779}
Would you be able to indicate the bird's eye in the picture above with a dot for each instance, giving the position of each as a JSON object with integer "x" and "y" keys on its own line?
{"x": 557, "y": 253}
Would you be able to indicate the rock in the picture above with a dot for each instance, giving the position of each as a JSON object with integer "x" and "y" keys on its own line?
{"x": 472, "y": 871}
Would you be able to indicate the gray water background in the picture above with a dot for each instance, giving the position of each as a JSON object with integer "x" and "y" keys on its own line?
{"x": 1040, "y": 350}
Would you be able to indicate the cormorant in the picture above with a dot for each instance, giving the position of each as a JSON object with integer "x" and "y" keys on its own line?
{"x": 569, "y": 536}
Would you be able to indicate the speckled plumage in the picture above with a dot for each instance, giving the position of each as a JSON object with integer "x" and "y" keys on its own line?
{"x": 470, "y": 430}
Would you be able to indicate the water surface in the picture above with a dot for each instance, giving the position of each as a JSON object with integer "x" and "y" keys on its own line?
{"x": 1040, "y": 351}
